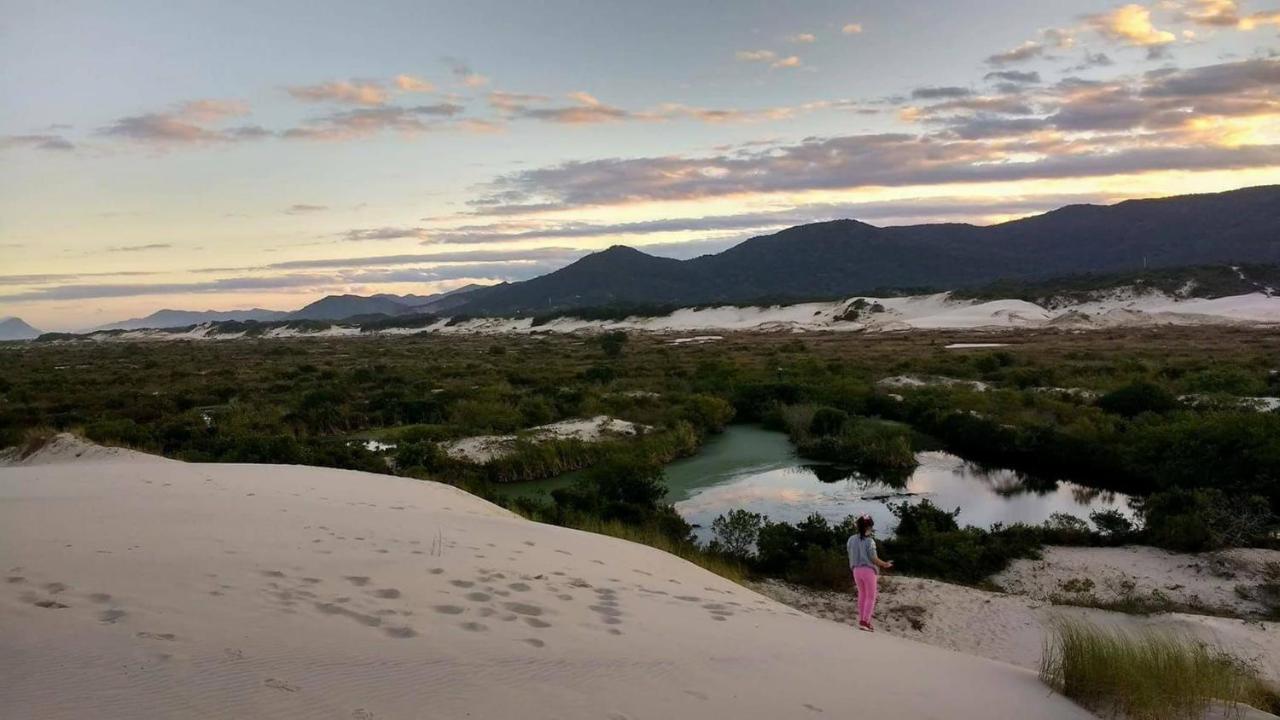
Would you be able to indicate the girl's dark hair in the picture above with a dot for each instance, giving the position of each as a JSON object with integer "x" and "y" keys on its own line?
{"x": 865, "y": 523}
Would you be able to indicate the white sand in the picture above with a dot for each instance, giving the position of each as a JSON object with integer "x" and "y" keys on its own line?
{"x": 481, "y": 449}
{"x": 1011, "y": 628}
{"x": 157, "y": 589}
{"x": 1120, "y": 307}
{"x": 1215, "y": 581}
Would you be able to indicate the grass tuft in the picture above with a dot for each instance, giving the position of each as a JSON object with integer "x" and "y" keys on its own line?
{"x": 1146, "y": 675}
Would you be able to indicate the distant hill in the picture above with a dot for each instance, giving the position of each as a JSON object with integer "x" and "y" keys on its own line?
{"x": 183, "y": 318}
{"x": 341, "y": 307}
{"x": 16, "y": 329}
{"x": 847, "y": 257}
{"x": 332, "y": 307}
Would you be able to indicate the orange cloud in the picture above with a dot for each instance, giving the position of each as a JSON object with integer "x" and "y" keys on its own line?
{"x": 852, "y": 29}
{"x": 410, "y": 83}
{"x": 1130, "y": 24}
{"x": 349, "y": 93}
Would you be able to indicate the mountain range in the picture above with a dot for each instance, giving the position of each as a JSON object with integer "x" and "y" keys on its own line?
{"x": 847, "y": 257}
{"x": 332, "y": 307}
{"x": 841, "y": 258}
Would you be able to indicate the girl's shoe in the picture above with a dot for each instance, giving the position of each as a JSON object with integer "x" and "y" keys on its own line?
{"x": 866, "y": 626}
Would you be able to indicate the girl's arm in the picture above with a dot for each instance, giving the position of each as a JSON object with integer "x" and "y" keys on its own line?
{"x": 875, "y": 558}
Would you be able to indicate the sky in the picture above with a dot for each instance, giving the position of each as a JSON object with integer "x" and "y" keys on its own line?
{"x": 229, "y": 155}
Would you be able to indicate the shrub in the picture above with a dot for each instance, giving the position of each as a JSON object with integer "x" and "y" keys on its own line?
{"x": 1111, "y": 523}
{"x": 870, "y": 447}
{"x": 1138, "y": 398}
{"x": 1204, "y": 519}
{"x": 736, "y": 533}
{"x": 1146, "y": 675}
{"x": 827, "y": 421}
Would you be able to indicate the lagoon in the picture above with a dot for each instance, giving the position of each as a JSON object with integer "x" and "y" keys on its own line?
{"x": 755, "y": 469}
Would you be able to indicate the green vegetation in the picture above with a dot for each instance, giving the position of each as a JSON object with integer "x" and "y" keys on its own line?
{"x": 1101, "y": 409}
{"x": 1147, "y": 676}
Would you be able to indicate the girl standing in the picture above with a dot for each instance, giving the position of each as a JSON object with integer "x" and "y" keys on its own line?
{"x": 866, "y": 566}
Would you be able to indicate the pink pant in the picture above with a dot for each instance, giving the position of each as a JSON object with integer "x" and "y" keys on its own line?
{"x": 865, "y": 578}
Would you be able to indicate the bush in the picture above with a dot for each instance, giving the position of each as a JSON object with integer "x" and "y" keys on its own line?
{"x": 827, "y": 421}
{"x": 736, "y": 533}
{"x": 1147, "y": 675}
{"x": 1138, "y": 398}
{"x": 874, "y": 448}
{"x": 1204, "y": 519}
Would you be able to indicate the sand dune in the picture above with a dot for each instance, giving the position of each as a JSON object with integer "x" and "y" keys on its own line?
{"x": 137, "y": 588}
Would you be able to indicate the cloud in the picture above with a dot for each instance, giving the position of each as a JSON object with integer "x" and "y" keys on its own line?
{"x": 852, "y": 29}
{"x": 39, "y": 142}
{"x": 466, "y": 256}
{"x": 510, "y": 102}
{"x": 463, "y": 73}
{"x": 411, "y": 83}
{"x": 791, "y": 61}
{"x": 1224, "y": 79}
{"x": 212, "y": 111}
{"x": 802, "y": 38}
{"x": 383, "y": 233}
{"x": 303, "y": 209}
{"x": 856, "y": 161}
{"x": 1092, "y": 60}
{"x": 1058, "y": 38}
{"x": 1017, "y": 77}
{"x": 756, "y": 55}
{"x": 187, "y": 123}
{"x": 1022, "y": 53}
{"x": 45, "y": 279}
{"x": 363, "y": 122}
{"x": 362, "y": 92}
{"x": 1226, "y": 14}
{"x": 1130, "y": 25}
{"x": 587, "y": 109}
{"x": 138, "y": 248}
{"x": 110, "y": 290}
{"x": 940, "y": 92}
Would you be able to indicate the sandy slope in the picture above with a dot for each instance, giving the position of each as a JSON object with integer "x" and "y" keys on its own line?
{"x": 141, "y": 588}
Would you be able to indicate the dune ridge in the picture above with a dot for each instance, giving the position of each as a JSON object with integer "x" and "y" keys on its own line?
{"x": 135, "y": 589}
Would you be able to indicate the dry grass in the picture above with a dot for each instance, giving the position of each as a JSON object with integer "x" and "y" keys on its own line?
{"x": 1146, "y": 675}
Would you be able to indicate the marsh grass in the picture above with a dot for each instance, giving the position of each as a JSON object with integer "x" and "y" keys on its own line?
{"x": 1146, "y": 675}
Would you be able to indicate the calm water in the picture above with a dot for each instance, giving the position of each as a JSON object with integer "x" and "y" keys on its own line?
{"x": 757, "y": 470}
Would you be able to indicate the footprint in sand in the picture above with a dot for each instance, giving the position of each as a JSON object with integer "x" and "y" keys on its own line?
{"x": 50, "y": 604}
{"x": 112, "y": 615}
{"x": 387, "y": 593}
{"x": 474, "y": 627}
{"x": 534, "y": 622}
{"x": 357, "y": 580}
{"x": 535, "y": 642}
{"x": 478, "y": 597}
{"x": 157, "y": 636}
{"x": 100, "y": 598}
{"x": 280, "y": 685}
{"x": 449, "y": 609}
{"x": 462, "y": 583}
{"x": 400, "y": 633}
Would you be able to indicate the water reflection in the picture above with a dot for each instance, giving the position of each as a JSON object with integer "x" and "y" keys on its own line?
{"x": 757, "y": 470}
